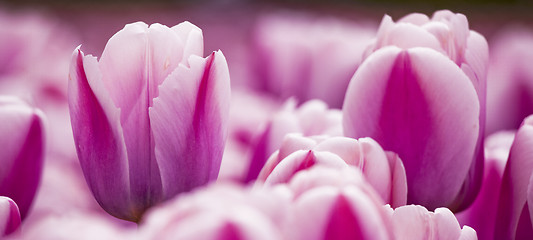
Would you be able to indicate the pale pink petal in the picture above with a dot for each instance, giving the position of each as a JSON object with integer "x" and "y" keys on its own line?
{"x": 9, "y": 216}
{"x": 188, "y": 121}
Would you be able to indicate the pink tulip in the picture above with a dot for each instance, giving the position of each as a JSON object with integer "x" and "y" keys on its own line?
{"x": 22, "y": 140}
{"x": 515, "y": 207}
{"x": 384, "y": 171}
{"x": 300, "y": 56}
{"x": 220, "y": 211}
{"x": 448, "y": 33}
{"x": 149, "y": 118}
{"x": 415, "y": 222}
{"x": 333, "y": 212}
{"x": 311, "y": 118}
{"x": 510, "y": 79}
{"x": 421, "y": 105}
{"x": 9, "y": 216}
{"x": 481, "y": 215}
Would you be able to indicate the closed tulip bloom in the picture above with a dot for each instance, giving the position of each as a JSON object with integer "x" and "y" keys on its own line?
{"x": 384, "y": 171}
{"x": 515, "y": 207}
{"x": 22, "y": 140}
{"x": 419, "y": 104}
{"x": 9, "y": 216}
{"x": 448, "y": 33}
{"x": 149, "y": 118}
{"x": 415, "y": 222}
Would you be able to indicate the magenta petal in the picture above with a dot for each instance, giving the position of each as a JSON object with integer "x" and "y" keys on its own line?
{"x": 188, "y": 121}
{"x": 516, "y": 184}
{"x": 98, "y": 137}
{"x": 9, "y": 216}
{"x": 419, "y": 104}
{"x": 22, "y": 138}
{"x": 398, "y": 195}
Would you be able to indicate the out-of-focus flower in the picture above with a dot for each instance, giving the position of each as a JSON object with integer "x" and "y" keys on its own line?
{"x": 9, "y": 216}
{"x": 149, "y": 118}
{"x": 250, "y": 110}
{"x": 510, "y": 80}
{"x": 82, "y": 226}
{"x": 329, "y": 207}
{"x": 414, "y": 222}
{"x": 34, "y": 56}
{"x": 384, "y": 171}
{"x": 22, "y": 140}
{"x": 515, "y": 205}
{"x": 302, "y": 56}
{"x": 311, "y": 118}
{"x": 481, "y": 215}
{"x": 220, "y": 211}
{"x": 420, "y": 104}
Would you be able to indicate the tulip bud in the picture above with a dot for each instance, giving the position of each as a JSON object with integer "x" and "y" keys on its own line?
{"x": 419, "y": 104}
{"x": 9, "y": 216}
{"x": 22, "y": 140}
{"x": 149, "y": 118}
{"x": 447, "y": 33}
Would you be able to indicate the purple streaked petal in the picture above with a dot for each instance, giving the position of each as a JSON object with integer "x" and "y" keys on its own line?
{"x": 188, "y": 121}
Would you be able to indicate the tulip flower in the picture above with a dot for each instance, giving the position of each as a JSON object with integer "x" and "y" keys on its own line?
{"x": 481, "y": 215}
{"x": 331, "y": 213}
{"x": 9, "y": 216}
{"x": 415, "y": 222}
{"x": 149, "y": 118}
{"x": 514, "y": 215}
{"x": 311, "y": 118}
{"x": 419, "y": 104}
{"x": 298, "y": 56}
{"x": 22, "y": 140}
{"x": 510, "y": 79}
{"x": 448, "y": 33}
{"x": 220, "y": 211}
{"x": 384, "y": 171}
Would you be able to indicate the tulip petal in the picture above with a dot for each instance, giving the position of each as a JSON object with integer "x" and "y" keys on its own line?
{"x": 9, "y": 216}
{"x": 398, "y": 195}
{"x": 515, "y": 183}
{"x": 96, "y": 128}
{"x": 188, "y": 121}
{"x": 419, "y": 104}
{"x": 22, "y": 159}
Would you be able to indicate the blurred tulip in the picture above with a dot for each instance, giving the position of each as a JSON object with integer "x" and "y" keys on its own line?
{"x": 383, "y": 171}
{"x": 510, "y": 80}
{"x": 22, "y": 140}
{"x": 302, "y": 56}
{"x": 220, "y": 211}
{"x": 327, "y": 212}
{"x": 149, "y": 118}
{"x": 415, "y": 222}
{"x": 515, "y": 207}
{"x": 9, "y": 216}
{"x": 419, "y": 104}
{"x": 311, "y": 118}
{"x": 481, "y": 215}
{"x": 80, "y": 226}
{"x": 249, "y": 111}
